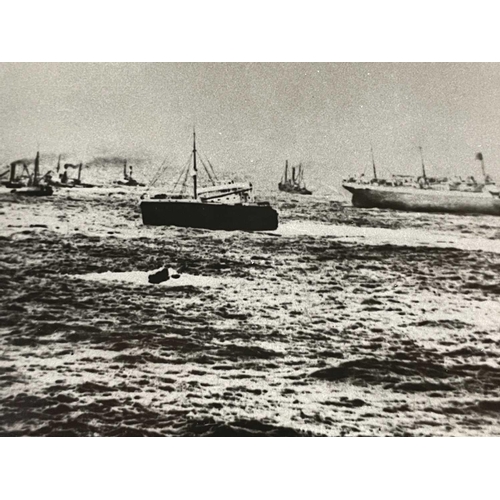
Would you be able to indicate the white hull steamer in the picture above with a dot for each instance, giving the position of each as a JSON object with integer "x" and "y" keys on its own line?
{"x": 424, "y": 194}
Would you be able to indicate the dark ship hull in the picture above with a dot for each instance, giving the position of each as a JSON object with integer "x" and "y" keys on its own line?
{"x": 14, "y": 184}
{"x": 254, "y": 217}
{"x": 424, "y": 200}
{"x": 293, "y": 189}
{"x": 34, "y": 191}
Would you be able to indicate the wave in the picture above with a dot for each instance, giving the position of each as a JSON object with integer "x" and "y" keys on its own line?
{"x": 385, "y": 236}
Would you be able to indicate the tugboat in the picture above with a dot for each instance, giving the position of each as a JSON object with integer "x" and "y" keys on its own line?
{"x": 426, "y": 194}
{"x": 128, "y": 179}
{"x": 227, "y": 205}
{"x": 296, "y": 183}
{"x": 65, "y": 180}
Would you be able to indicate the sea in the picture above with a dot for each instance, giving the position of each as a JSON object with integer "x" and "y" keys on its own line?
{"x": 342, "y": 322}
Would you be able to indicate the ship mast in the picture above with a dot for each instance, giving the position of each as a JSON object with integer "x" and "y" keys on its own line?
{"x": 12, "y": 172}
{"x": 194, "y": 166}
{"x": 286, "y": 171}
{"x": 373, "y": 163}
{"x": 479, "y": 156}
{"x": 37, "y": 167}
{"x": 423, "y": 164}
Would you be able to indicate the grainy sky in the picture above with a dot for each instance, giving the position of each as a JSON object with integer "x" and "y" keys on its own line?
{"x": 252, "y": 116}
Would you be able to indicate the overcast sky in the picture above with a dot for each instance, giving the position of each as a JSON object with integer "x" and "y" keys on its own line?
{"x": 253, "y": 116}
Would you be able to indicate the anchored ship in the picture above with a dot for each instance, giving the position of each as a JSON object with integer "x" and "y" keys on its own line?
{"x": 426, "y": 194}
{"x": 27, "y": 183}
{"x": 295, "y": 184}
{"x": 223, "y": 205}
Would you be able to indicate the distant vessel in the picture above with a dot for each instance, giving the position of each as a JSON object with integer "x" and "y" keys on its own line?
{"x": 128, "y": 179}
{"x": 295, "y": 184}
{"x": 35, "y": 185}
{"x": 226, "y": 205}
{"x": 16, "y": 179}
{"x": 65, "y": 180}
{"x": 426, "y": 194}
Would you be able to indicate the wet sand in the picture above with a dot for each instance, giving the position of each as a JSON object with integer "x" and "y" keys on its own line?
{"x": 343, "y": 322}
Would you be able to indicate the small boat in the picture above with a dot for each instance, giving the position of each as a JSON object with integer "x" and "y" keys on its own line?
{"x": 426, "y": 194}
{"x": 36, "y": 186}
{"x": 295, "y": 184}
{"x": 128, "y": 179}
{"x": 223, "y": 205}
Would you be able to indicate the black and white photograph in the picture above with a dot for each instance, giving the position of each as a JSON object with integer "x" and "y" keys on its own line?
{"x": 250, "y": 249}
{"x": 238, "y": 247}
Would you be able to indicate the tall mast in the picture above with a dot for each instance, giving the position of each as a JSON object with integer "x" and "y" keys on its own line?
{"x": 373, "y": 163}
{"x": 37, "y": 166}
{"x": 80, "y": 171}
{"x": 423, "y": 164}
{"x": 286, "y": 171}
{"x": 59, "y": 164}
{"x": 125, "y": 169}
{"x": 195, "y": 170}
{"x": 12, "y": 172}
{"x": 479, "y": 156}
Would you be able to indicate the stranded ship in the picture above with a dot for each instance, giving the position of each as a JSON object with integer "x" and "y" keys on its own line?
{"x": 427, "y": 194}
{"x": 223, "y": 205}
